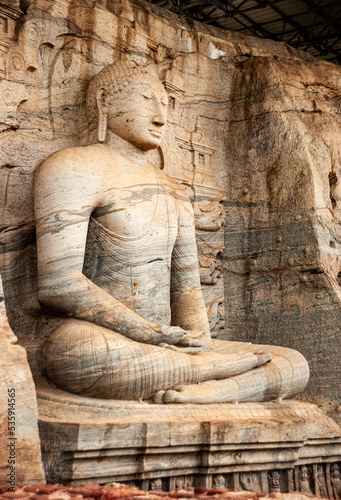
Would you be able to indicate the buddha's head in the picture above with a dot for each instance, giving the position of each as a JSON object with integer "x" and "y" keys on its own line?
{"x": 130, "y": 101}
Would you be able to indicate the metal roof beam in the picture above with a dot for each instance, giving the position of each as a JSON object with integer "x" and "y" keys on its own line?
{"x": 321, "y": 31}
{"x": 315, "y": 37}
{"x": 255, "y": 7}
{"x": 335, "y": 39}
{"x": 256, "y": 28}
{"x": 318, "y": 37}
{"x": 251, "y": 28}
{"x": 304, "y": 33}
{"x": 331, "y": 37}
{"x": 317, "y": 10}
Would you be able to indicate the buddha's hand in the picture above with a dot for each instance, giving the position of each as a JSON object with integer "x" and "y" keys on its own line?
{"x": 165, "y": 334}
{"x": 189, "y": 342}
{"x": 195, "y": 341}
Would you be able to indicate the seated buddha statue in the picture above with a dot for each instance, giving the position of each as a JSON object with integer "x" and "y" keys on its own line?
{"x": 117, "y": 262}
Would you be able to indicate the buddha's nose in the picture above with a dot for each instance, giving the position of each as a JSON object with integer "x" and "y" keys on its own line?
{"x": 159, "y": 115}
{"x": 159, "y": 120}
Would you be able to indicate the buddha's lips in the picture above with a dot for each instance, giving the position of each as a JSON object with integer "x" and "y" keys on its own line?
{"x": 155, "y": 133}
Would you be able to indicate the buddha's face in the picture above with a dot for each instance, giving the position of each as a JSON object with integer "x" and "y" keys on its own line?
{"x": 138, "y": 113}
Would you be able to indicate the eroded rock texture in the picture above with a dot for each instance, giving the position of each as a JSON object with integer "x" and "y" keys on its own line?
{"x": 250, "y": 120}
{"x": 283, "y": 247}
{"x": 20, "y": 445}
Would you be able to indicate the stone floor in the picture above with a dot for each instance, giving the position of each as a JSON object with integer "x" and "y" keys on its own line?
{"x": 117, "y": 491}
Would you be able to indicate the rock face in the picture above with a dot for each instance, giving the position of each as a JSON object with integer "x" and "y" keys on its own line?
{"x": 253, "y": 137}
{"x": 20, "y": 444}
{"x": 284, "y": 212}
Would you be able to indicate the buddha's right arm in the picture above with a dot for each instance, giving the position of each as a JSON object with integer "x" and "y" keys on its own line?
{"x": 66, "y": 192}
{"x": 71, "y": 294}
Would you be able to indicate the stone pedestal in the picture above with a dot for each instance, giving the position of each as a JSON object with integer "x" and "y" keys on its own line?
{"x": 269, "y": 447}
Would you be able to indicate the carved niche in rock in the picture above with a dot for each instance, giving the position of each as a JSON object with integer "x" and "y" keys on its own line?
{"x": 335, "y": 480}
{"x": 303, "y": 480}
{"x": 274, "y": 482}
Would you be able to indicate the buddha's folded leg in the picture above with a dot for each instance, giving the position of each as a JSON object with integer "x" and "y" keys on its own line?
{"x": 286, "y": 375}
{"x": 87, "y": 359}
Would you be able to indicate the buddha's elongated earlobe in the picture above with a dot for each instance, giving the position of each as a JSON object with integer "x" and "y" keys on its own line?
{"x": 102, "y": 116}
{"x": 102, "y": 127}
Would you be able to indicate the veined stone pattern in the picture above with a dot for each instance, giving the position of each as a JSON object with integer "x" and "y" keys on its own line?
{"x": 240, "y": 132}
{"x": 252, "y": 137}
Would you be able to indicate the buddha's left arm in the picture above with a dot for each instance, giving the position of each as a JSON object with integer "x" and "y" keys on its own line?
{"x": 187, "y": 303}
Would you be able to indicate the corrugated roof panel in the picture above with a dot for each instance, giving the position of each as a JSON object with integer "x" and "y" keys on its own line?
{"x": 315, "y": 24}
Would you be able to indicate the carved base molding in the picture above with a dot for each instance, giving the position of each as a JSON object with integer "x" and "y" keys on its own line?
{"x": 269, "y": 447}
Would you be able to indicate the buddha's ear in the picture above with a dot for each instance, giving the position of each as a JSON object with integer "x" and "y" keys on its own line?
{"x": 102, "y": 114}
{"x": 101, "y": 99}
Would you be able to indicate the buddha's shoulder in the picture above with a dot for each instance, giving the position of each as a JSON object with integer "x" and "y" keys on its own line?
{"x": 82, "y": 158}
{"x": 177, "y": 189}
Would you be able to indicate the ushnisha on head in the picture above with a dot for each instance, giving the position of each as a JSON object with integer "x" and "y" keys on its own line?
{"x": 130, "y": 101}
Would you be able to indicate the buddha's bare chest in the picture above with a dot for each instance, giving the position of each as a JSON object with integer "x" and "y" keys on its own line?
{"x": 146, "y": 210}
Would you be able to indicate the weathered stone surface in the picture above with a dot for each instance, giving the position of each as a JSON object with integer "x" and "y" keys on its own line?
{"x": 280, "y": 271}
{"x": 242, "y": 447}
{"x": 20, "y": 444}
{"x": 284, "y": 219}
{"x": 250, "y": 121}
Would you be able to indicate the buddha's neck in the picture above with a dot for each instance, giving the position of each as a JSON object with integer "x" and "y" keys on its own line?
{"x": 127, "y": 149}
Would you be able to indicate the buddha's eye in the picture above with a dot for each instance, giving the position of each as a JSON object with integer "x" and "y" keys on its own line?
{"x": 147, "y": 95}
{"x": 164, "y": 103}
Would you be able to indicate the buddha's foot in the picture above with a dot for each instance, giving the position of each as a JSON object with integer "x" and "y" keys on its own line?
{"x": 204, "y": 393}
{"x": 212, "y": 391}
{"x": 158, "y": 397}
{"x": 263, "y": 357}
